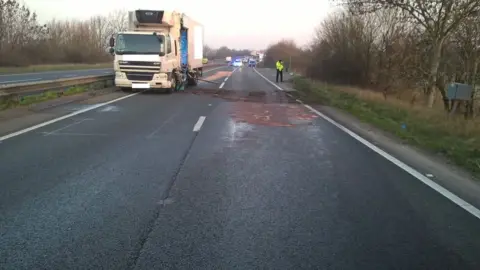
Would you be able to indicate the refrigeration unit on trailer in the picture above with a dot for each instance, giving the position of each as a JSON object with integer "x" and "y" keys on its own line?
{"x": 160, "y": 50}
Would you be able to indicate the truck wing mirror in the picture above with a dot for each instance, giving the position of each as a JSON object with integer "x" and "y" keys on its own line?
{"x": 112, "y": 41}
{"x": 111, "y": 50}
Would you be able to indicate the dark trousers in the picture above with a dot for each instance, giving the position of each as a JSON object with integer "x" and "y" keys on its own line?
{"x": 280, "y": 72}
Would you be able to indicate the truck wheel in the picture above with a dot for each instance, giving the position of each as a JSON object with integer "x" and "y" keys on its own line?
{"x": 193, "y": 81}
{"x": 126, "y": 89}
{"x": 172, "y": 88}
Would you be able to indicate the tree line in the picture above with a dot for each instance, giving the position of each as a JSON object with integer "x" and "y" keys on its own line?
{"x": 391, "y": 46}
{"x": 24, "y": 41}
{"x": 223, "y": 52}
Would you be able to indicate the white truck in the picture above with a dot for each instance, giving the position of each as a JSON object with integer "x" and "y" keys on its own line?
{"x": 160, "y": 50}
{"x": 228, "y": 59}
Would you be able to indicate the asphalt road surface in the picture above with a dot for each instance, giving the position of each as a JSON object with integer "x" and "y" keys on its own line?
{"x": 51, "y": 75}
{"x": 59, "y": 74}
{"x": 239, "y": 179}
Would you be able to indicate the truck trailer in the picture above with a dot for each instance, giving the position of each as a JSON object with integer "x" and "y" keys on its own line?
{"x": 160, "y": 50}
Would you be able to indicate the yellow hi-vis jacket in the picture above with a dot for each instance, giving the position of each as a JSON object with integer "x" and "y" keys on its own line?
{"x": 279, "y": 66}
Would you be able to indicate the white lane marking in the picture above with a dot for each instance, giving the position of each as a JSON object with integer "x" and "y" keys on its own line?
{"x": 199, "y": 124}
{"x": 438, "y": 188}
{"x": 19, "y": 81}
{"x": 93, "y": 107}
{"x": 11, "y": 135}
{"x": 446, "y": 193}
{"x": 261, "y": 75}
{"x": 225, "y": 80}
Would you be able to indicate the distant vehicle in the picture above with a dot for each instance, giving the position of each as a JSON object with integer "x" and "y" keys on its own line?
{"x": 237, "y": 63}
{"x": 252, "y": 63}
{"x": 228, "y": 59}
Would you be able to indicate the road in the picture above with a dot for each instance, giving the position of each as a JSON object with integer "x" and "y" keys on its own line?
{"x": 59, "y": 74}
{"x": 243, "y": 180}
{"x": 51, "y": 75}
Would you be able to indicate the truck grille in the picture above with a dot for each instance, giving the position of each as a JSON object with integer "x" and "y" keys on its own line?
{"x": 139, "y": 63}
{"x": 140, "y": 66}
{"x": 138, "y": 76}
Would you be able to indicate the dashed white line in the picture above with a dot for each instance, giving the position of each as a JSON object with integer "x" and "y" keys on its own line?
{"x": 199, "y": 124}
{"x": 419, "y": 176}
{"x": 226, "y": 79}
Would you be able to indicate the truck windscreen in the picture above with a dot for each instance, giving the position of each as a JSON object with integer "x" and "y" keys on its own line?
{"x": 139, "y": 44}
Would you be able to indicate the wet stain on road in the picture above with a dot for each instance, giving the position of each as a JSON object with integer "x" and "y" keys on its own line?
{"x": 277, "y": 115}
{"x": 218, "y": 75}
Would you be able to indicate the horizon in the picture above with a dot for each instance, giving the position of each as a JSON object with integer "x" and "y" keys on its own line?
{"x": 235, "y": 32}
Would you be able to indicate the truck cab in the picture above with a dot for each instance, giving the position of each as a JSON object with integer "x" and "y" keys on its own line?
{"x": 160, "y": 50}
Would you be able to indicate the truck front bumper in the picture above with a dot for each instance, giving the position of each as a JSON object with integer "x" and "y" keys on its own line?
{"x": 158, "y": 82}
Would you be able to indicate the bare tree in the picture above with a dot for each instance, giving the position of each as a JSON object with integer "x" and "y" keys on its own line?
{"x": 438, "y": 18}
{"x": 118, "y": 21}
{"x": 23, "y": 41}
{"x": 100, "y": 29}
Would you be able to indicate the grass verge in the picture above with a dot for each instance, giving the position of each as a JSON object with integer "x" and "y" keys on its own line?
{"x": 43, "y": 68}
{"x": 45, "y": 96}
{"x": 454, "y": 138}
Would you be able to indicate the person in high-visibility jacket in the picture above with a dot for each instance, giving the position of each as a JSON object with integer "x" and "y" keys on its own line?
{"x": 279, "y": 65}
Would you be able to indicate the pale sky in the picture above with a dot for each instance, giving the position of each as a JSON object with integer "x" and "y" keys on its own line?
{"x": 244, "y": 24}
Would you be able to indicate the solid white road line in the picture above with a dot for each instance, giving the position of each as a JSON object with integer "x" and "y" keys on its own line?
{"x": 438, "y": 188}
{"x": 11, "y": 135}
{"x": 221, "y": 85}
{"x": 199, "y": 124}
{"x": 261, "y": 75}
